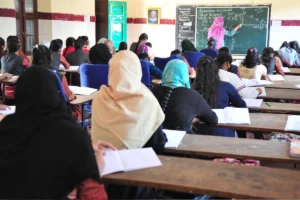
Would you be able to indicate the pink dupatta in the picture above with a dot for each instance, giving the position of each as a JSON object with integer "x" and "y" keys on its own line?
{"x": 217, "y": 31}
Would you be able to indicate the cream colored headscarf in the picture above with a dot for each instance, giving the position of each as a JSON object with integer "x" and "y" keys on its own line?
{"x": 126, "y": 113}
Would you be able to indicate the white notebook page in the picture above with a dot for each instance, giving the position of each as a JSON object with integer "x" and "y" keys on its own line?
{"x": 174, "y": 138}
{"x": 293, "y": 123}
{"x": 220, "y": 115}
{"x": 7, "y": 111}
{"x": 253, "y": 103}
{"x": 112, "y": 163}
{"x": 236, "y": 115}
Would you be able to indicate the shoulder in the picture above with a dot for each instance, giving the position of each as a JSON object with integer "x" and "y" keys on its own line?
{"x": 226, "y": 85}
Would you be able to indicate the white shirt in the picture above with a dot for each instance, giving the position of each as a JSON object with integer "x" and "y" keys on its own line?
{"x": 233, "y": 79}
{"x": 254, "y": 73}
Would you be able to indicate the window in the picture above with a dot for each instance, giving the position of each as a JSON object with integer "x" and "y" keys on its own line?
{"x": 27, "y": 24}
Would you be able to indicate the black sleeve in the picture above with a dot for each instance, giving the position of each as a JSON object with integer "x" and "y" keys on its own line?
{"x": 205, "y": 114}
{"x": 157, "y": 141}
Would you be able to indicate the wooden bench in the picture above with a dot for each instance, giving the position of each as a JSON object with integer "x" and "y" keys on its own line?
{"x": 262, "y": 150}
{"x": 277, "y": 108}
{"x": 212, "y": 178}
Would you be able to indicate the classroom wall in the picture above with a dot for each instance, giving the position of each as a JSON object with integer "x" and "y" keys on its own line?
{"x": 284, "y": 16}
{"x": 7, "y": 18}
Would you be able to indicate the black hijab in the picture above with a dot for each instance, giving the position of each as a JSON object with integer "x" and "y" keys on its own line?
{"x": 187, "y": 45}
{"x": 43, "y": 153}
{"x": 100, "y": 54}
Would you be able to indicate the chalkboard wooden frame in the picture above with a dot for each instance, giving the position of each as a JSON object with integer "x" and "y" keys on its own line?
{"x": 192, "y": 33}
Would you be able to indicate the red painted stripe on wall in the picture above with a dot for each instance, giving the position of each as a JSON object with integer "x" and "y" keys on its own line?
{"x": 6, "y": 12}
{"x": 93, "y": 19}
{"x": 144, "y": 21}
{"x": 290, "y": 23}
{"x": 60, "y": 16}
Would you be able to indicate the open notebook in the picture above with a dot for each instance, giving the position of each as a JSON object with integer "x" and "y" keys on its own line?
{"x": 253, "y": 103}
{"x": 232, "y": 115}
{"x": 293, "y": 123}
{"x": 10, "y": 111}
{"x": 129, "y": 160}
{"x": 174, "y": 138}
{"x": 82, "y": 90}
{"x": 255, "y": 83}
{"x": 275, "y": 78}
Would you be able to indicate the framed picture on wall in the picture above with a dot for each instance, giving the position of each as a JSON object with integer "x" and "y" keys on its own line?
{"x": 154, "y": 15}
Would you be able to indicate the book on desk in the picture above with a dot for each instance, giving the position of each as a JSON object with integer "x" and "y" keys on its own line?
{"x": 231, "y": 115}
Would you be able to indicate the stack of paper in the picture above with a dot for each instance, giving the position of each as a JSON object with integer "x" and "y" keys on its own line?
{"x": 253, "y": 103}
{"x": 293, "y": 123}
{"x": 82, "y": 90}
{"x": 10, "y": 111}
{"x": 232, "y": 115}
{"x": 285, "y": 69}
{"x": 129, "y": 160}
{"x": 174, "y": 138}
{"x": 275, "y": 78}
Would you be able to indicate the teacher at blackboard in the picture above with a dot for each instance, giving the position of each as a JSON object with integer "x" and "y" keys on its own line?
{"x": 218, "y": 31}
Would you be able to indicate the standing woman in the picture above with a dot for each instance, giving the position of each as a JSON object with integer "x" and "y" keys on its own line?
{"x": 271, "y": 62}
{"x": 140, "y": 46}
{"x": 217, "y": 94}
{"x": 218, "y": 31}
{"x": 69, "y": 46}
{"x": 251, "y": 68}
{"x": 181, "y": 104}
{"x": 57, "y": 58}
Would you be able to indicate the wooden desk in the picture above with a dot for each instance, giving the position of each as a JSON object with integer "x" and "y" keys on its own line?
{"x": 284, "y": 85}
{"x": 289, "y": 78}
{"x": 278, "y": 108}
{"x": 212, "y": 178}
{"x": 282, "y": 94}
{"x": 293, "y": 71}
{"x": 263, "y": 150}
{"x": 263, "y": 122}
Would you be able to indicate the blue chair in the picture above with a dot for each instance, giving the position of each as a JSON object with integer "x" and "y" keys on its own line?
{"x": 210, "y": 52}
{"x": 146, "y": 74}
{"x": 193, "y": 57}
{"x": 162, "y": 62}
{"x": 61, "y": 88}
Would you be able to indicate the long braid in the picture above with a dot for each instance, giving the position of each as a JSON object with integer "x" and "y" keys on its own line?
{"x": 167, "y": 94}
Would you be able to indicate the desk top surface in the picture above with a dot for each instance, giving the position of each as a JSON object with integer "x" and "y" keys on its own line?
{"x": 80, "y": 99}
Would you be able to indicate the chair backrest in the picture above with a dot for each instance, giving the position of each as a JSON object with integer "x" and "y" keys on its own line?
{"x": 193, "y": 57}
{"x": 162, "y": 62}
{"x": 93, "y": 76}
{"x": 210, "y": 52}
{"x": 61, "y": 88}
{"x": 146, "y": 74}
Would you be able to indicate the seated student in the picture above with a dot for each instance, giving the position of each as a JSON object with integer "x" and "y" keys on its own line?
{"x": 140, "y": 46}
{"x": 187, "y": 45}
{"x": 217, "y": 94}
{"x": 100, "y": 54}
{"x": 212, "y": 43}
{"x": 45, "y": 43}
{"x": 251, "y": 68}
{"x": 223, "y": 62}
{"x": 110, "y": 46}
{"x": 271, "y": 62}
{"x": 289, "y": 56}
{"x": 78, "y": 57}
{"x": 180, "y": 103}
{"x": 154, "y": 71}
{"x": 41, "y": 56}
{"x": 57, "y": 58}
{"x": 44, "y": 154}
{"x": 126, "y": 113}
{"x": 69, "y": 46}
{"x": 20, "y": 52}
{"x": 122, "y": 46}
{"x": 101, "y": 41}
{"x": 85, "y": 47}
{"x": 233, "y": 68}
{"x": 295, "y": 45}
{"x": 150, "y": 51}
{"x": 2, "y": 47}
{"x": 178, "y": 53}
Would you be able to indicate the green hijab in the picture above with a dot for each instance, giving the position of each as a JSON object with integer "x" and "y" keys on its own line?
{"x": 176, "y": 74}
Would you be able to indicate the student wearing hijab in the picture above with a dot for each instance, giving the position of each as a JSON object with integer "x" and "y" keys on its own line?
{"x": 187, "y": 45}
{"x": 217, "y": 94}
{"x": 57, "y": 58}
{"x": 177, "y": 52}
{"x": 122, "y": 46}
{"x": 126, "y": 113}
{"x": 100, "y": 54}
{"x": 102, "y": 41}
{"x": 43, "y": 152}
{"x": 181, "y": 104}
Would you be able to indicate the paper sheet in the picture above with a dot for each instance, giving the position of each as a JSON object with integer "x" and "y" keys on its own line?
{"x": 82, "y": 90}
{"x": 7, "y": 111}
{"x": 253, "y": 103}
{"x": 298, "y": 86}
{"x": 174, "y": 138}
{"x": 275, "y": 78}
{"x": 263, "y": 94}
{"x": 236, "y": 115}
{"x": 286, "y": 69}
{"x": 220, "y": 114}
{"x": 112, "y": 163}
{"x": 293, "y": 123}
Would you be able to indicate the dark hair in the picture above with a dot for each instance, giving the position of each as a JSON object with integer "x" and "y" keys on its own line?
{"x": 41, "y": 55}
{"x": 60, "y": 42}
{"x": 13, "y": 45}
{"x": 224, "y": 50}
{"x": 176, "y": 52}
{"x": 295, "y": 45}
{"x": 212, "y": 43}
{"x": 207, "y": 80}
{"x": 2, "y": 43}
{"x": 252, "y": 58}
{"x": 69, "y": 43}
{"x": 12, "y": 37}
{"x": 187, "y": 45}
{"x": 284, "y": 44}
{"x": 268, "y": 61}
{"x": 85, "y": 39}
{"x": 78, "y": 44}
{"x": 144, "y": 56}
{"x": 55, "y": 46}
{"x": 222, "y": 58}
{"x": 142, "y": 37}
{"x": 123, "y": 46}
{"x": 148, "y": 44}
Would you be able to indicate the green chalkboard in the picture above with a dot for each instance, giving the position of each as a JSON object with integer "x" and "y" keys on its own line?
{"x": 254, "y": 33}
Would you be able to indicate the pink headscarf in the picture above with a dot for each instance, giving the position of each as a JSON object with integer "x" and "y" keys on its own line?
{"x": 217, "y": 31}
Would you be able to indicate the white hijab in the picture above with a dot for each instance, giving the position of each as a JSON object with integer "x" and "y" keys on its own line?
{"x": 126, "y": 113}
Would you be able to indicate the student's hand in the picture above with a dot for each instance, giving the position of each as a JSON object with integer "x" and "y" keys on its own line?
{"x": 239, "y": 26}
{"x": 4, "y": 107}
{"x": 71, "y": 97}
{"x": 259, "y": 91}
{"x": 193, "y": 73}
{"x": 196, "y": 120}
{"x": 100, "y": 144}
{"x": 99, "y": 148}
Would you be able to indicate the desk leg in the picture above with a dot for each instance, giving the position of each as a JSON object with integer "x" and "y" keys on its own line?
{"x": 82, "y": 115}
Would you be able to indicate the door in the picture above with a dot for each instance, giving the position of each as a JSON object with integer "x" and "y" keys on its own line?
{"x": 101, "y": 11}
{"x": 117, "y": 22}
{"x": 27, "y": 24}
